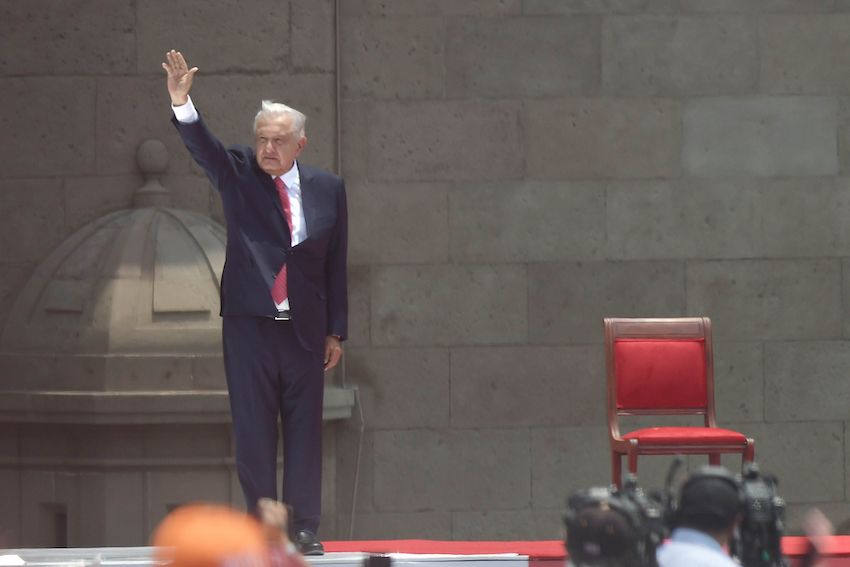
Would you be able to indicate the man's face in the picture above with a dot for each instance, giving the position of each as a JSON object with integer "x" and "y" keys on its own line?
{"x": 276, "y": 144}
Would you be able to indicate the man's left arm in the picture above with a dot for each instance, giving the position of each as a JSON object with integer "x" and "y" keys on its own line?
{"x": 337, "y": 283}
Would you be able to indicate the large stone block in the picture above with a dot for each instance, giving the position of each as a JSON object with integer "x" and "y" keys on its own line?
{"x": 91, "y": 528}
{"x": 527, "y": 222}
{"x": 764, "y": 299}
{"x": 208, "y": 372}
{"x": 806, "y": 457}
{"x": 312, "y": 43}
{"x": 428, "y": 524}
{"x": 131, "y": 110}
{"x": 169, "y": 488}
{"x": 567, "y": 301}
{"x": 359, "y": 306}
{"x": 399, "y": 223}
{"x": 527, "y": 386}
{"x": 583, "y": 6}
{"x": 191, "y": 192}
{"x": 452, "y": 470}
{"x": 31, "y": 218}
{"x": 807, "y": 381}
{"x": 607, "y": 138}
{"x": 355, "y": 470}
{"x": 88, "y": 198}
{"x": 9, "y": 446}
{"x": 189, "y": 441}
{"x": 125, "y": 508}
{"x": 430, "y": 7}
{"x": 54, "y": 37}
{"x": 522, "y": 57}
{"x": 568, "y": 459}
{"x": 395, "y": 58}
{"x": 444, "y": 140}
{"x": 12, "y": 280}
{"x": 665, "y": 55}
{"x": 691, "y": 218}
{"x": 149, "y": 373}
{"x": 401, "y": 388}
{"x": 760, "y": 136}
{"x": 507, "y": 525}
{"x": 756, "y": 6}
{"x": 354, "y": 127}
{"x": 229, "y": 103}
{"x": 39, "y": 511}
{"x": 258, "y": 39}
{"x": 805, "y": 54}
{"x": 58, "y": 142}
{"x": 739, "y": 382}
{"x": 805, "y": 217}
{"x": 844, "y": 134}
{"x": 51, "y": 441}
{"x": 448, "y": 305}
{"x": 10, "y": 512}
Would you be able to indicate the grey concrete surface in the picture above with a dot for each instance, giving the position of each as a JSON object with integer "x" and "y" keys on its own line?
{"x": 669, "y": 55}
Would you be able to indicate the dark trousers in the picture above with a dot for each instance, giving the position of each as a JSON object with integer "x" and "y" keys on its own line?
{"x": 269, "y": 375}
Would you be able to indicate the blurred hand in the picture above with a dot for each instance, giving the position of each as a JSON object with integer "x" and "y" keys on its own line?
{"x": 275, "y": 520}
{"x": 333, "y": 352}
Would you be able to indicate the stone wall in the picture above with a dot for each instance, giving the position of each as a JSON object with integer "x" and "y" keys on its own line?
{"x": 517, "y": 169}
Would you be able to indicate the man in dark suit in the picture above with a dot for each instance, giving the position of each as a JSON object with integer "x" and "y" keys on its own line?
{"x": 283, "y": 295}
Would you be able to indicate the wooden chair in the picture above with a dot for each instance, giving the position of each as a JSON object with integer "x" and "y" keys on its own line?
{"x": 664, "y": 367}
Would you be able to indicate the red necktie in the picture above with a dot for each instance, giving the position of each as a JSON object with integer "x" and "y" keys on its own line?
{"x": 279, "y": 287}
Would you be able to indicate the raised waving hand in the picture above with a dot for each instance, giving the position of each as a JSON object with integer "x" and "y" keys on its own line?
{"x": 180, "y": 77}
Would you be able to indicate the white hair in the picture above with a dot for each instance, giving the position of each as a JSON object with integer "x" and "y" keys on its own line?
{"x": 272, "y": 109}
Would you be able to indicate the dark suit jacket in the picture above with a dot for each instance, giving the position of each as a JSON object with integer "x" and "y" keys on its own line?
{"x": 258, "y": 240}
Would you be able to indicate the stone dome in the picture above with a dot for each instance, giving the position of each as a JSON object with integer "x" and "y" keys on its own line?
{"x": 138, "y": 281}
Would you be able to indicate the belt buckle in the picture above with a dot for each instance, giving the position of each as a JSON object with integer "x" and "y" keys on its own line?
{"x": 283, "y": 316}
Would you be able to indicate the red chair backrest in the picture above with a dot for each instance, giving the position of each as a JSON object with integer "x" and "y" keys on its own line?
{"x": 663, "y": 374}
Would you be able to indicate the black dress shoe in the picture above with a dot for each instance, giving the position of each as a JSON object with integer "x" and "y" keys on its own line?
{"x": 308, "y": 543}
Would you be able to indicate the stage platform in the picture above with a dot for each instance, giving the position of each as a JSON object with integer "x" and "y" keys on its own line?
{"x": 403, "y": 553}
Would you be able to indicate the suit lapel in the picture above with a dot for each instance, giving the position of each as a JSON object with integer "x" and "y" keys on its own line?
{"x": 309, "y": 202}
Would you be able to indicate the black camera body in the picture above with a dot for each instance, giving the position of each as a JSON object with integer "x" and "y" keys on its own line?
{"x": 629, "y": 537}
{"x": 759, "y": 541}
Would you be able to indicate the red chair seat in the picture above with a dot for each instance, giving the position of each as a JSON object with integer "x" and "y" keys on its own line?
{"x": 678, "y": 435}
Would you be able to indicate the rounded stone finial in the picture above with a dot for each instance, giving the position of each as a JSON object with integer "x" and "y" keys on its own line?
{"x": 152, "y": 157}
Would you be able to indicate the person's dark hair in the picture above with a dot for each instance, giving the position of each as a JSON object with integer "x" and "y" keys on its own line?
{"x": 710, "y": 501}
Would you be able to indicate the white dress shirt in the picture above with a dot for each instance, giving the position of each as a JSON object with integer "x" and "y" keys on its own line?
{"x": 692, "y": 548}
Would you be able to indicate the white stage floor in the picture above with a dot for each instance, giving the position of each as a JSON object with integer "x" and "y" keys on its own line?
{"x": 143, "y": 557}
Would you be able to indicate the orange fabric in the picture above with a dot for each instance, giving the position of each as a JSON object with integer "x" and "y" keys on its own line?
{"x": 208, "y": 535}
{"x": 679, "y": 435}
{"x": 660, "y": 374}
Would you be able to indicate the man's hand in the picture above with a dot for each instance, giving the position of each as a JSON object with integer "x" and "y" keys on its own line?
{"x": 333, "y": 350}
{"x": 179, "y": 77}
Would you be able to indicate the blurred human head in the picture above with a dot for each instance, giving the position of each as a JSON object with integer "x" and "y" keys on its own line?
{"x": 709, "y": 501}
{"x": 209, "y": 535}
{"x": 600, "y": 537}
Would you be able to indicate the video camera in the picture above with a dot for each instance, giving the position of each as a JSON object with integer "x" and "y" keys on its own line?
{"x": 610, "y": 526}
{"x": 624, "y": 527}
{"x": 759, "y": 541}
